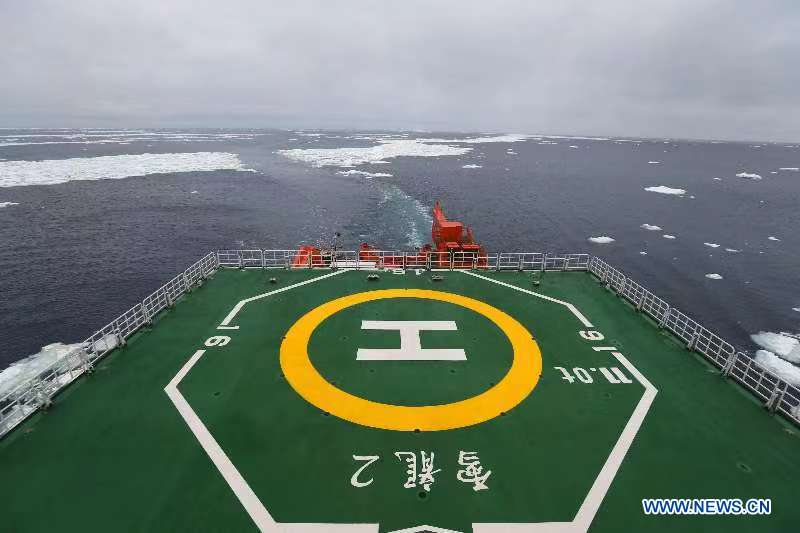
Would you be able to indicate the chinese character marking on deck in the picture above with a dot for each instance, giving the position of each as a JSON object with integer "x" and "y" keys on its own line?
{"x": 418, "y": 474}
{"x": 369, "y": 460}
{"x": 472, "y": 471}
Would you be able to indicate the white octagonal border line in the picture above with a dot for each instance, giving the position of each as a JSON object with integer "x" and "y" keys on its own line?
{"x": 264, "y": 521}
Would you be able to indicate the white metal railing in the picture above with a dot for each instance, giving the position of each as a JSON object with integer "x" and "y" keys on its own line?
{"x": 27, "y": 397}
{"x": 777, "y": 394}
{"x": 377, "y": 259}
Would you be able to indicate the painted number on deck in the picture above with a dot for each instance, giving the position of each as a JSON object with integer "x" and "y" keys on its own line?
{"x": 613, "y": 375}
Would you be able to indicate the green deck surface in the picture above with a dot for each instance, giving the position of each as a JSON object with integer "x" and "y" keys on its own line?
{"x": 114, "y": 454}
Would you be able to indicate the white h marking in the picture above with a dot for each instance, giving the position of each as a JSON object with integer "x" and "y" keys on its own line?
{"x": 410, "y": 344}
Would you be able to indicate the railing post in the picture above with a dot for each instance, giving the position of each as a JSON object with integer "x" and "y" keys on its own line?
{"x": 693, "y": 341}
{"x": 146, "y": 315}
{"x": 497, "y": 264}
{"x": 263, "y": 260}
{"x": 664, "y": 318}
{"x": 776, "y": 396}
{"x": 519, "y": 265}
{"x": 241, "y": 260}
{"x": 120, "y": 338}
{"x": 544, "y": 261}
{"x": 640, "y": 303}
{"x": 83, "y": 355}
{"x": 726, "y": 369}
{"x": 43, "y": 399}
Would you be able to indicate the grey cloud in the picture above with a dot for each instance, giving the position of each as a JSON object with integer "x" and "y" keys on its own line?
{"x": 678, "y": 68}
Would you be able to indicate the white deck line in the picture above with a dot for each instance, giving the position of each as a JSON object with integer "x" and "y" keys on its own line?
{"x": 241, "y": 489}
{"x": 601, "y": 485}
{"x": 568, "y": 305}
{"x": 238, "y": 306}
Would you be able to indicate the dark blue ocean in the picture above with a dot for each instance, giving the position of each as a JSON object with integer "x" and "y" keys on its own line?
{"x": 77, "y": 248}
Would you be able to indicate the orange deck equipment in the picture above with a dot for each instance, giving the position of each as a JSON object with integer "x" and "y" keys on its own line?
{"x": 454, "y": 237}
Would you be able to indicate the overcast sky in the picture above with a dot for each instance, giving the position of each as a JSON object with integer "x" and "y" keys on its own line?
{"x": 676, "y": 68}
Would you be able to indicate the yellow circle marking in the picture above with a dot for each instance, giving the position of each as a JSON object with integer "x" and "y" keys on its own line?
{"x": 515, "y": 386}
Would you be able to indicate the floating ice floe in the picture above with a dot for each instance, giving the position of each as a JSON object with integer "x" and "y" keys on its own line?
{"x": 386, "y": 149}
{"x": 650, "y": 227}
{"x": 654, "y": 162}
{"x": 33, "y": 365}
{"x": 510, "y": 138}
{"x": 772, "y": 238}
{"x": 642, "y": 253}
{"x": 732, "y": 250}
{"x": 365, "y": 174}
{"x": 574, "y": 137}
{"x": 748, "y": 175}
{"x": 58, "y": 360}
{"x": 711, "y": 244}
{"x": 511, "y": 152}
{"x": 783, "y": 369}
{"x": 713, "y": 276}
{"x": 796, "y": 309}
{"x": 790, "y": 169}
{"x": 50, "y": 172}
{"x": 669, "y": 236}
{"x": 663, "y": 189}
{"x": 193, "y": 192}
{"x": 718, "y": 179}
{"x": 783, "y": 346}
{"x": 114, "y": 137}
{"x": 473, "y": 166}
{"x": 603, "y": 239}
{"x": 7, "y": 204}
{"x": 572, "y": 146}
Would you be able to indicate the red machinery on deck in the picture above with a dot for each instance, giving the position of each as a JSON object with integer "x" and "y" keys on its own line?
{"x": 453, "y": 246}
{"x": 456, "y": 240}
